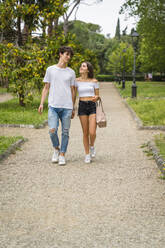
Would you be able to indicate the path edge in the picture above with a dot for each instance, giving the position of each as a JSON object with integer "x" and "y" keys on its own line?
{"x": 12, "y": 148}
{"x": 158, "y": 158}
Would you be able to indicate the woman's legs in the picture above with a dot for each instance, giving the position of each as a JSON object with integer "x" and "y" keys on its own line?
{"x": 84, "y": 120}
{"x": 92, "y": 128}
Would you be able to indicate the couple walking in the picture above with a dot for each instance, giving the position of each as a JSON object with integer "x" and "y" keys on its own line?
{"x": 62, "y": 85}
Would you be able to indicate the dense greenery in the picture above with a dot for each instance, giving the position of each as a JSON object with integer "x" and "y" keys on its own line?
{"x": 6, "y": 142}
{"x": 24, "y": 57}
{"x": 151, "y": 26}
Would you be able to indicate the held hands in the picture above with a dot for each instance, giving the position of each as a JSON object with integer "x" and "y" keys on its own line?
{"x": 40, "y": 109}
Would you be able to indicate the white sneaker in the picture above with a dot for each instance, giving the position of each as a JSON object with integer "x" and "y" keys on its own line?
{"x": 92, "y": 151}
{"x": 61, "y": 160}
{"x": 87, "y": 159}
{"x": 55, "y": 156}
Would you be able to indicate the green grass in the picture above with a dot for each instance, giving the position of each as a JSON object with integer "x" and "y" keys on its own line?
{"x": 6, "y": 142}
{"x": 151, "y": 112}
{"x": 3, "y": 90}
{"x": 160, "y": 143}
{"x": 12, "y": 113}
{"x": 144, "y": 89}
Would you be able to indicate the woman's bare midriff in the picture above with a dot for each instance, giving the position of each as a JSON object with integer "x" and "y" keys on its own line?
{"x": 89, "y": 98}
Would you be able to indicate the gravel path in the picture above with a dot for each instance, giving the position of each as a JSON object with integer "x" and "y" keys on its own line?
{"x": 5, "y": 97}
{"x": 117, "y": 201}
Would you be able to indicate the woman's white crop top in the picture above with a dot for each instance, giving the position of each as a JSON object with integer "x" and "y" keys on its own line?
{"x": 86, "y": 88}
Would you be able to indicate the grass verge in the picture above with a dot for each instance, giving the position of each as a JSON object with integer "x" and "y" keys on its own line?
{"x": 6, "y": 142}
{"x": 144, "y": 89}
{"x": 151, "y": 112}
{"x": 3, "y": 90}
{"x": 12, "y": 113}
{"x": 160, "y": 143}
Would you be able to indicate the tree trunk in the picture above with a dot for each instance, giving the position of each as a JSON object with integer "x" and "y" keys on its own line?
{"x": 25, "y": 34}
{"x": 65, "y": 27}
{"x": 19, "y": 34}
{"x": 50, "y": 28}
{"x": 55, "y": 27}
{"x": 21, "y": 99}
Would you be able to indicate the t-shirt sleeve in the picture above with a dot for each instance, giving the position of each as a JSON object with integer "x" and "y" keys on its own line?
{"x": 97, "y": 85}
{"x": 47, "y": 77}
{"x": 73, "y": 79}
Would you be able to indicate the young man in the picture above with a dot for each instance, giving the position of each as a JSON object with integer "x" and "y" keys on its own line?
{"x": 59, "y": 82}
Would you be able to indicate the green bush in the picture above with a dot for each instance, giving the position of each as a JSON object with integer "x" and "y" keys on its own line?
{"x": 106, "y": 78}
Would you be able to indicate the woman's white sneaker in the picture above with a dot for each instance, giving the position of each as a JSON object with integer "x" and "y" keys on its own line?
{"x": 55, "y": 156}
{"x": 92, "y": 151}
{"x": 87, "y": 159}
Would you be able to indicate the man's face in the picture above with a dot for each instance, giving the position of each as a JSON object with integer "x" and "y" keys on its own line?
{"x": 65, "y": 57}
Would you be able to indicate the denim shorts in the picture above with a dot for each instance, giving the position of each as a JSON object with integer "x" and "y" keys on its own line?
{"x": 86, "y": 108}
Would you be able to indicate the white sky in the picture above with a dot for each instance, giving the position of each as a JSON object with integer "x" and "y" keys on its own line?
{"x": 105, "y": 14}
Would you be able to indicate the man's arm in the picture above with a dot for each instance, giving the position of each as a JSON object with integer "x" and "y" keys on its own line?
{"x": 73, "y": 91}
{"x": 43, "y": 97}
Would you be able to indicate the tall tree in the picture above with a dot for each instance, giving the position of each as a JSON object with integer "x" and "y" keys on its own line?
{"x": 73, "y": 6}
{"x": 117, "y": 33}
{"x": 151, "y": 26}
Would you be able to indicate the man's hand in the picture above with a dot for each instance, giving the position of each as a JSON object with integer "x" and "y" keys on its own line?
{"x": 73, "y": 113}
{"x": 40, "y": 109}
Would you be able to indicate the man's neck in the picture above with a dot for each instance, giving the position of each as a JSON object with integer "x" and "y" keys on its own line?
{"x": 61, "y": 64}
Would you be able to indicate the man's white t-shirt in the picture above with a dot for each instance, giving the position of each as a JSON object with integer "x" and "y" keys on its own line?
{"x": 61, "y": 80}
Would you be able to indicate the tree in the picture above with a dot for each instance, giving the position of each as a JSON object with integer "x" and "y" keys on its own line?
{"x": 117, "y": 33}
{"x": 116, "y": 58}
{"x": 151, "y": 26}
{"x": 73, "y": 6}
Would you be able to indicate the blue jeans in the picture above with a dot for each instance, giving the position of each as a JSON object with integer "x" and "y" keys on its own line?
{"x": 54, "y": 114}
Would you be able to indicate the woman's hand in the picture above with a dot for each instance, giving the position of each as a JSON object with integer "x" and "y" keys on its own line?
{"x": 95, "y": 98}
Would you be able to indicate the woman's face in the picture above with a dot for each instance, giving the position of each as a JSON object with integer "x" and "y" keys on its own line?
{"x": 83, "y": 68}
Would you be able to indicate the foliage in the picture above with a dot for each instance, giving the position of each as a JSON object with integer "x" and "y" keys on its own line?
{"x": 151, "y": 28}
{"x": 117, "y": 33}
{"x": 105, "y": 78}
{"x": 121, "y": 59}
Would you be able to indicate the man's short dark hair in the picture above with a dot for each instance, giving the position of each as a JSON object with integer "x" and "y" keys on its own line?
{"x": 65, "y": 49}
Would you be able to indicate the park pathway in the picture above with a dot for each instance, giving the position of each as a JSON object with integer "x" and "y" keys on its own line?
{"x": 5, "y": 97}
{"x": 117, "y": 201}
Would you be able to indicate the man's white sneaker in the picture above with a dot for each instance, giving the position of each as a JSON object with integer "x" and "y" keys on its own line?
{"x": 87, "y": 159}
{"x": 61, "y": 160}
{"x": 55, "y": 156}
{"x": 92, "y": 151}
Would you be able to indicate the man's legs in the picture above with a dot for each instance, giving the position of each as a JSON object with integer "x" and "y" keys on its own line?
{"x": 65, "y": 117}
{"x": 53, "y": 123}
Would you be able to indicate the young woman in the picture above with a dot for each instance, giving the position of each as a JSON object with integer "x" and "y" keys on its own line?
{"x": 88, "y": 90}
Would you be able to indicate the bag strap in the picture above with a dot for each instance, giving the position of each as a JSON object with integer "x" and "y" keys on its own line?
{"x": 100, "y": 103}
